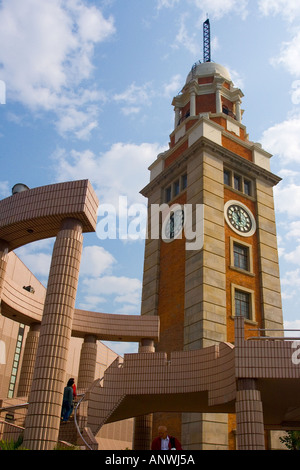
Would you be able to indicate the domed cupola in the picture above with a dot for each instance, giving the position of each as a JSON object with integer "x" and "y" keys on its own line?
{"x": 208, "y": 90}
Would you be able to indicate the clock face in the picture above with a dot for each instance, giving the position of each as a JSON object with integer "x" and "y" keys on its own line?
{"x": 173, "y": 224}
{"x": 240, "y": 218}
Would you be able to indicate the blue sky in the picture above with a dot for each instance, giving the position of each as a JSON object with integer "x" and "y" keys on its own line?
{"x": 89, "y": 86}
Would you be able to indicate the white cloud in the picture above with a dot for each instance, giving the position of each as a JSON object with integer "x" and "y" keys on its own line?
{"x": 290, "y": 283}
{"x": 295, "y": 93}
{"x": 186, "y": 37}
{"x": 167, "y": 3}
{"x": 292, "y": 325}
{"x": 294, "y": 230}
{"x": 173, "y": 86}
{"x": 46, "y": 52}
{"x": 294, "y": 257}
{"x": 135, "y": 98}
{"x": 283, "y": 140}
{"x": 215, "y": 8}
{"x": 219, "y": 8}
{"x": 121, "y": 171}
{"x": 95, "y": 261}
{"x": 37, "y": 257}
{"x": 287, "y": 199}
{"x": 237, "y": 79}
{"x": 289, "y": 56}
{"x": 124, "y": 292}
{"x": 289, "y": 9}
{"x": 91, "y": 303}
{"x": 112, "y": 285}
{"x": 129, "y": 110}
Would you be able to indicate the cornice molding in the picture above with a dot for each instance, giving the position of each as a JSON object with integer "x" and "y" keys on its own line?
{"x": 229, "y": 158}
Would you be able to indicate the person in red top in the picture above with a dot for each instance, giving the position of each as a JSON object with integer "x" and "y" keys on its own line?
{"x": 74, "y": 388}
{"x": 164, "y": 441}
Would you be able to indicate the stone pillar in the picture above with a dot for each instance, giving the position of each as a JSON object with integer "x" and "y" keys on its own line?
{"x": 218, "y": 99}
{"x": 49, "y": 379}
{"x": 87, "y": 364}
{"x": 192, "y": 103}
{"x": 177, "y": 117}
{"x": 238, "y": 113}
{"x": 249, "y": 416}
{"x": 4, "y": 248}
{"x": 142, "y": 432}
{"x": 147, "y": 345}
{"x": 28, "y": 362}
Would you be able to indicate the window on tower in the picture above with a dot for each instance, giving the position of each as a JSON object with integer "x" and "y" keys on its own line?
{"x": 168, "y": 194}
{"x": 241, "y": 256}
{"x": 247, "y": 187}
{"x": 238, "y": 182}
{"x": 242, "y": 304}
{"x": 175, "y": 188}
{"x": 227, "y": 177}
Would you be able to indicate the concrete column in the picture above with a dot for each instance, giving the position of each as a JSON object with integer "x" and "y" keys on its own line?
{"x": 28, "y": 362}
{"x": 177, "y": 117}
{"x": 87, "y": 364}
{"x": 238, "y": 113}
{"x": 218, "y": 99}
{"x": 4, "y": 248}
{"x": 142, "y": 432}
{"x": 192, "y": 103}
{"x": 249, "y": 416}
{"x": 146, "y": 345}
{"x": 49, "y": 379}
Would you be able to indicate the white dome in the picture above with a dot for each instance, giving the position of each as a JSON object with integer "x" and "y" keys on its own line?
{"x": 206, "y": 69}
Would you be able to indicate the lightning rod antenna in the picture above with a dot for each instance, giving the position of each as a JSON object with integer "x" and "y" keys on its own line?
{"x": 206, "y": 41}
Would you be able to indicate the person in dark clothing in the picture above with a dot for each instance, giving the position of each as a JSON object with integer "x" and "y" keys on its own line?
{"x": 164, "y": 441}
{"x": 67, "y": 405}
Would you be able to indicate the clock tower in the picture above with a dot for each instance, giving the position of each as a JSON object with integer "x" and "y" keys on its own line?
{"x": 220, "y": 188}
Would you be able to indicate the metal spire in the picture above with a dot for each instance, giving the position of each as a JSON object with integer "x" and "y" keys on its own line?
{"x": 206, "y": 41}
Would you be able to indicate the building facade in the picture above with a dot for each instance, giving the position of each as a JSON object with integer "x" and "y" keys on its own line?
{"x": 216, "y": 256}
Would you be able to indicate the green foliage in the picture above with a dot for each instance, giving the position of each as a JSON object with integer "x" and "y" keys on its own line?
{"x": 11, "y": 444}
{"x": 61, "y": 446}
{"x": 291, "y": 440}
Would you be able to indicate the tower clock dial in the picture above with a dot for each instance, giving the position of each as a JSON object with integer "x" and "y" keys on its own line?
{"x": 240, "y": 218}
{"x": 172, "y": 226}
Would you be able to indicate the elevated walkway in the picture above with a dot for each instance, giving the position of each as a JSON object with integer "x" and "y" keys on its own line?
{"x": 223, "y": 378}
{"x": 258, "y": 379}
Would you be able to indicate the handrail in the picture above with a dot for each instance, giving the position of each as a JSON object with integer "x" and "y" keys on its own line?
{"x": 287, "y": 338}
{"x": 270, "y": 329}
{"x": 76, "y": 409}
{"x": 20, "y": 405}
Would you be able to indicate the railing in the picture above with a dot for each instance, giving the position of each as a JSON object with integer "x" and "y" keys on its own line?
{"x": 285, "y": 338}
{"x": 15, "y": 414}
{"x": 12, "y": 423}
{"x": 80, "y": 420}
{"x": 14, "y": 417}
